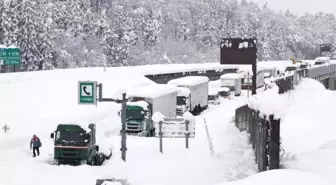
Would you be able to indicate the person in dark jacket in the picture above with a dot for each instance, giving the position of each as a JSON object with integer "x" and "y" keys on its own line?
{"x": 35, "y": 143}
{"x": 199, "y": 108}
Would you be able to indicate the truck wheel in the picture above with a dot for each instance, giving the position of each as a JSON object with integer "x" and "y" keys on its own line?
{"x": 93, "y": 162}
{"x": 153, "y": 132}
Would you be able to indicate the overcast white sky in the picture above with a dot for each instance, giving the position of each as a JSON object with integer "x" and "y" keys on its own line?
{"x": 301, "y": 6}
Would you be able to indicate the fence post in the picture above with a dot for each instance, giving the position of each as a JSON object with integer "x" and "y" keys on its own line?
{"x": 160, "y": 134}
{"x": 274, "y": 146}
{"x": 187, "y": 133}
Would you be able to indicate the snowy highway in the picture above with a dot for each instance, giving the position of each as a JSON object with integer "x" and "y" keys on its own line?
{"x": 34, "y": 103}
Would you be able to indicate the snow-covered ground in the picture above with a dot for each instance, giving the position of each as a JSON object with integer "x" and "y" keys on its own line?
{"x": 35, "y": 102}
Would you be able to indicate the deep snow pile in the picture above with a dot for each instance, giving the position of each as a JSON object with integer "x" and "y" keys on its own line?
{"x": 308, "y": 130}
{"x": 306, "y": 111}
{"x": 307, "y": 126}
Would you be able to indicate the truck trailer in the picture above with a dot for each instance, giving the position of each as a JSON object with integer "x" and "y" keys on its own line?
{"x": 233, "y": 82}
{"x": 247, "y": 80}
{"x": 143, "y": 102}
{"x": 198, "y": 96}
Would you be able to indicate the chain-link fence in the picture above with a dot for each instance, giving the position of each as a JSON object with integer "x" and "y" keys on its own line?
{"x": 264, "y": 136}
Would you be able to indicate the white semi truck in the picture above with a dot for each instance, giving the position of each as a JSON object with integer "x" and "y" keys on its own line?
{"x": 143, "y": 102}
{"x": 195, "y": 97}
{"x": 247, "y": 80}
{"x": 233, "y": 82}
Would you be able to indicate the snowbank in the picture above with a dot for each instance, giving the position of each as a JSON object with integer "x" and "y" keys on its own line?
{"x": 151, "y": 91}
{"x": 310, "y": 113}
{"x": 189, "y": 81}
{"x": 321, "y": 162}
{"x": 281, "y": 177}
{"x": 270, "y": 102}
{"x": 188, "y": 116}
{"x": 305, "y": 112}
{"x": 157, "y": 117}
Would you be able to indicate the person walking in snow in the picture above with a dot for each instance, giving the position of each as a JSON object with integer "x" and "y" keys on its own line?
{"x": 35, "y": 143}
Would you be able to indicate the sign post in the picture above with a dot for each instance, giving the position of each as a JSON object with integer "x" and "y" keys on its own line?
{"x": 239, "y": 51}
{"x": 175, "y": 128}
{"x": 187, "y": 133}
{"x": 160, "y": 135}
{"x": 87, "y": 92}
{"x": 123, "y": 148}
{"x": 10, "y": 57}
{"x": 87, "y": 95}
{"x": 325, "y": 48}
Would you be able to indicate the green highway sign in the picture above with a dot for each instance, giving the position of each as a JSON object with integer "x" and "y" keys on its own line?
{"x": 87, "y": 92}
{"x": 10, "y": 56}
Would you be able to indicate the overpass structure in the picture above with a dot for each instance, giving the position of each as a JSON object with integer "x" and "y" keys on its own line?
{"x": 326, "y": 74}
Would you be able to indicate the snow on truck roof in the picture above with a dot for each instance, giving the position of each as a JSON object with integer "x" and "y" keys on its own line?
{"x": 151, "y": 91}
{"x": 231, "y": 76}
{"x": 142, "y": 104}
{"x": 322, "y": 58}
{"x": 189, "y": 80}
{"x": 183, "y": 91}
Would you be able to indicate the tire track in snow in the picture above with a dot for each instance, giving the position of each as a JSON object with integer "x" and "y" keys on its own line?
{"x": 211, "y": 148}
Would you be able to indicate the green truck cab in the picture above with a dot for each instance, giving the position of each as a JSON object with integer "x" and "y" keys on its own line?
{"x": 138, "y": 118}
{"x": 73, "y": 145}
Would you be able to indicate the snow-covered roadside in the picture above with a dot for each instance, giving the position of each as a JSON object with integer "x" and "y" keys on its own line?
{"x": 307, "y": 132}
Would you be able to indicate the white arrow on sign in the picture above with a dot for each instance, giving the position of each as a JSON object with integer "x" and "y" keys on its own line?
{"x": 87, "y": 90}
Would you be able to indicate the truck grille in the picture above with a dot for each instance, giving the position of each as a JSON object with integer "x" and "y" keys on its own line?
{"x": 70, "y": 154}
{"x": 179, "y": 112}
{"x": 133, "y": 127}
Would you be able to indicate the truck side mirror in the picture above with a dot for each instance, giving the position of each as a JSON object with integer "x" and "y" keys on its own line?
{"x": 52, "y": 135}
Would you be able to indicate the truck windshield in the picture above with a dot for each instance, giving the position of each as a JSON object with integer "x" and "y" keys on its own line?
{"x": 135, "y": 114}
{"x": 248, "y": 81}
{"x": 181, "y": 100}
{"x": 66, "y": 137}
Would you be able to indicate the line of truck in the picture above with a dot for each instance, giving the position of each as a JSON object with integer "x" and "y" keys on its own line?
{"x": 186, "y": 94}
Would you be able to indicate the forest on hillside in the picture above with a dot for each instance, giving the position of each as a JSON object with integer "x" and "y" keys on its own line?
{"x": 88, "y": 33}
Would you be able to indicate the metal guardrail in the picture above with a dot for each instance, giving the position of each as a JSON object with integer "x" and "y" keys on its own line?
{"x": 322, "y": 72}
{"x": 264, "y": 135}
